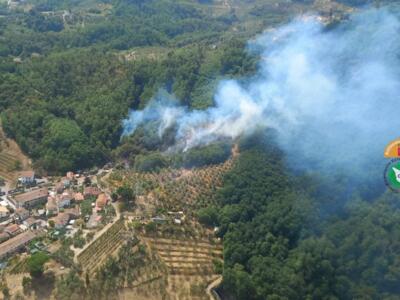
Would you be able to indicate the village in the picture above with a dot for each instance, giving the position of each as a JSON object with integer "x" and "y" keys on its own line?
{"x": 50, "y": 206}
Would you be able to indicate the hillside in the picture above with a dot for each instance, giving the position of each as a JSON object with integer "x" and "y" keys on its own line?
{"x": 80, "y": 68}
{"x": 216, "y": 147}
{"x": 12, "y": 161}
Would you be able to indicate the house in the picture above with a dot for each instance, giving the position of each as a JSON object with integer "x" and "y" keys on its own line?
{"x": 31, "y": 223}
{"x": 91, "y": 191}
{"x": 159, "y": 220}
{"x": 51, "y": 206}
{"x": 16, "y": 243}
{"x": 4, "y": 212}
{"x": 59, "y": 187}
{"x": 61, "y": 220}
{"x": 64, "y": 199}
{"x": 101, "y": 201}
{"x": 66, "y": 182}
{"x": 70, "y": 175}
{"x": 26, "y": 177}
{"x": 21, "y": 214}
{"x": 30, "y": 199}
{"x": 13, "y": 229}
{"x": 78, "y": 197}
{"x": 74, "y": 212}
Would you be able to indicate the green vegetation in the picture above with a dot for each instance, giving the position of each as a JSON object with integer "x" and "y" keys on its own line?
{"x": 108, "y": 279}
{"x": 65, "y": 87}
{"x": 276, "y": 243}
{"x": 127, "y": 197}
{"x": 206, "y": 155}
{"x": 70, "y": 286}
{"x": 150, "y": 162}
{"x": 86, "y": 206}
{"x": 69, "y": 73}
{"x": 208, "y": 215}
{"x": 36, "y": 264}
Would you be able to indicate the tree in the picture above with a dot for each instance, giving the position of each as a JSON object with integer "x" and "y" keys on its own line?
{"x": 70, "y": 287}
{"x": 114, "y": 196}
{"x": 87, "y": 181}
{"x": 208, "y": 215}
{"x": 36, "y": 264}
{"x": 6, "y": 293}
{"x": 127, "y": 197}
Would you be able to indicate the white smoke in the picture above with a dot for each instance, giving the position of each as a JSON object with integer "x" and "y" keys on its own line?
{"x": 330, "y": 94}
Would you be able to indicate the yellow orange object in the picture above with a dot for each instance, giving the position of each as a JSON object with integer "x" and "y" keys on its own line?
{"x": 393, "y": 149}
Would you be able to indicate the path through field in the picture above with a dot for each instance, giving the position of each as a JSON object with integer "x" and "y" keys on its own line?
{"x": 212, "y": 286}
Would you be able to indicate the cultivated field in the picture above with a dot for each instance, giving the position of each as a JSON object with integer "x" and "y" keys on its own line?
{"x": 103, "y": 247}
{"x": 186, "y": 255}
{"x": 173, "y": 189}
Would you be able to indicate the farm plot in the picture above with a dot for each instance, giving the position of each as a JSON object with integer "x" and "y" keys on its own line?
{"x": 7, "y": 166}
{"x": 186, "y": 257}
{"x": 100, "y": 249}
{"x": 190, "y": 265}
{"x": 174, "y": 189}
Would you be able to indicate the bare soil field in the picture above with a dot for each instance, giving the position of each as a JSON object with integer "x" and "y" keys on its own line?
{"x": 12, "y": 159}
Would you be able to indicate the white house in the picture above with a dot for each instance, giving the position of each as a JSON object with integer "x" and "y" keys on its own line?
{"x": 26, "y": 177}
{"x": 64, "y": 200}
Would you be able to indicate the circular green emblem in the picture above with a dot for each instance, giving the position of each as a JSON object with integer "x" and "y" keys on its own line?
{"x": 392, "y": 175}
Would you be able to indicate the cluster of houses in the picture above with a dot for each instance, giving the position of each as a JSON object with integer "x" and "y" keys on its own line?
{"x": 42, "y": 207}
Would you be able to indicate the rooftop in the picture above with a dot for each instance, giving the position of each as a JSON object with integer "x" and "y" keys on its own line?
{"x": 26, "y": 174}
{"x": 61, "y": 219}
{"x": 12, "y": 228}
{"x": 91, "y": 190}
{"x": 30, "y": 221}
{"x": 14, "y": 243}
{"x": 79, "y": 197}
{"x": 32, "y": 195}
{"x": 101, "y": 200}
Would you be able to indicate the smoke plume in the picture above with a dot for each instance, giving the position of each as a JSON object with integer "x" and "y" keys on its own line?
{"x": 332, "y": 95}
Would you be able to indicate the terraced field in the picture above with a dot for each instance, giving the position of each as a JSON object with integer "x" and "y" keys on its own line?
{"x": 186, "y": 257}
{"x": 189, "y": 265}
{"x": 7, "y": 166}
{"x": 187, "y": 252}
{"x": 100, "y": 249}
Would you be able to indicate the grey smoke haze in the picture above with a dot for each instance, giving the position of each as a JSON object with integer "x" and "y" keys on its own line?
{"x": 332, "y": 96}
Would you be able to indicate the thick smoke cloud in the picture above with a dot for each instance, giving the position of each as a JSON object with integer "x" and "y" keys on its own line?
{"x": 332, "y": 95}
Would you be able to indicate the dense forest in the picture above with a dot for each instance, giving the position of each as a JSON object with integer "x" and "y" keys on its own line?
{"x": 278, "y": 244}
{"x": 78, "y": 83}
{"x": 79, "y": 66}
